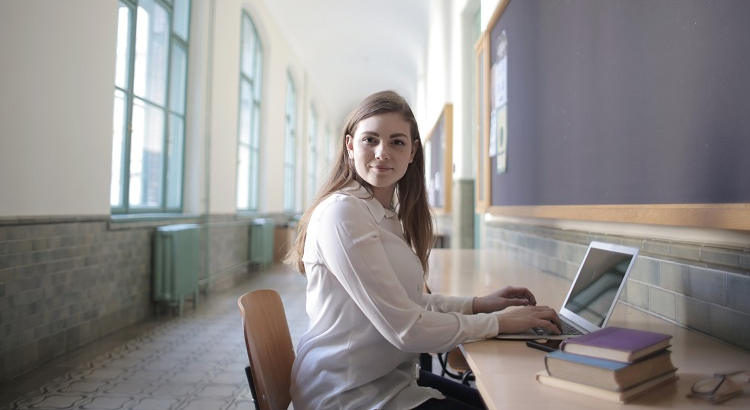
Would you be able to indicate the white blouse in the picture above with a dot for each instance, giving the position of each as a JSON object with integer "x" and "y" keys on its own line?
{"x": 369, "y": 316}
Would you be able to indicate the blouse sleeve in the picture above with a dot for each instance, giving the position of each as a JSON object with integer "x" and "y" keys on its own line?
{"x": 349, "y": 243}
{"x": 445, "y": 303}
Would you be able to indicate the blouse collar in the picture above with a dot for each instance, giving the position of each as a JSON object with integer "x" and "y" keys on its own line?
{"x": 377, "y": 209}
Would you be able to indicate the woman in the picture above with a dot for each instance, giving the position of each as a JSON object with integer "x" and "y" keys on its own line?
{"x": 363, "y": 245}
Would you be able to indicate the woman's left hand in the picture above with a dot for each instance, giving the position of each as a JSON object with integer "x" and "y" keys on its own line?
{"x": 501, "y": 299}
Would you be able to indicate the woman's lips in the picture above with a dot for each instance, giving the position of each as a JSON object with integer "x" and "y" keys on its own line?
{"x": 380, "y": 168}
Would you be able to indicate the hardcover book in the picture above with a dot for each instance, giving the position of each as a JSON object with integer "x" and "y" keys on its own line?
{"x": 616, "y": 396}
{"x": 617, "y": 343}
{"x": 607, "y": 374}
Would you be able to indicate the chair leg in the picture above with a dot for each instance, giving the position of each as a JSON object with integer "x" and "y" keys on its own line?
{"x": 425, "y": 362}
{"x": 464, "y": 375}
{"x": 249, "y": 375}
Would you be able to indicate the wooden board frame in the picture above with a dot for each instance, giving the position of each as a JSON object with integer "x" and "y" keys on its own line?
{"x": 734, "y": 216}
{"x": 446, "y": 116}
{"x": 482, "y": 66}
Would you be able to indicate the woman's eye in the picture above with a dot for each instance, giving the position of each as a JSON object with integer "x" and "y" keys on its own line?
{"x": 369, "y": 140}
{"x": 399, "y": 142}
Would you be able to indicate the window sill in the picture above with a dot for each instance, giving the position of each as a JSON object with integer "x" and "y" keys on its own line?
{"x": 130, "y": 221}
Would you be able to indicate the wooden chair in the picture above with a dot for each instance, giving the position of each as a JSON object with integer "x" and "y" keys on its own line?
{"x": 269, "y": 348}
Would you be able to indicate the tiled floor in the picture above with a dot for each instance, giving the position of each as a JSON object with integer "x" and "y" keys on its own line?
{"x": 191, "y": 362}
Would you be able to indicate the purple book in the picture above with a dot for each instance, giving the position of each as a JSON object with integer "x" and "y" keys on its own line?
{"x": 617, "y": 343}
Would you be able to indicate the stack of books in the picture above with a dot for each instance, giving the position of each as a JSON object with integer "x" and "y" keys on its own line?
{"x": 613, "y": 363}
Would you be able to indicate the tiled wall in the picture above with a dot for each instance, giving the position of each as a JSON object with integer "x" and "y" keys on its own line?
{"x": 702, "y": 287}
{"x": 228, "y": 245}
{"x": 65, "y": 282}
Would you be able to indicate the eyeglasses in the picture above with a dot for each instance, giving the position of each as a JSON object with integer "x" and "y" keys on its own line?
{"x": 720, "y": 387}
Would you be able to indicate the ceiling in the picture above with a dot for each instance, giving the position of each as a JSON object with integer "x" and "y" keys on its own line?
{"x": 352, "y": 48}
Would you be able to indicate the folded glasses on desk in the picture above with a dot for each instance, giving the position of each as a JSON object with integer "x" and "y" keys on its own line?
{"x": 720, "y": 387}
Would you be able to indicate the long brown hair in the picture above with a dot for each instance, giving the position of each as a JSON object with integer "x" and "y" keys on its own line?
{"x": 413, "y": 210}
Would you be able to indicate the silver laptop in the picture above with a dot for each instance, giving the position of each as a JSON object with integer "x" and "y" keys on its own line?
{"x": 593, "y": 294}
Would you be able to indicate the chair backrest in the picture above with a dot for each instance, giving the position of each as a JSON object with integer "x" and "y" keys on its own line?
{"x": 269, "y": 347}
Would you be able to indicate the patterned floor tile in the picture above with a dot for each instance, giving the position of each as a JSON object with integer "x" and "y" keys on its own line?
{"x": 226, "y": 391}
{"x": 205, "y": 404}
{"x": 173, "y": 390}
{"x": 229, "y": 377}
{"x": 83, "y": 387}
{"x": 156, "y": 404}
{"x": 128, "y": 388}
{"x": 57, "y": 401}
{"x": 241, "y": 405}
{"x": 108, "y": 402}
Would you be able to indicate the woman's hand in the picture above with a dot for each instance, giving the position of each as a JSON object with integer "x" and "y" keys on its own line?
{"x": 507, "y": 296}
{"x": 524, "y": 318}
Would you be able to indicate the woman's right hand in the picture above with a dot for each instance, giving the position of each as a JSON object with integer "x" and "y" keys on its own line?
{"x": 526, "y": 317}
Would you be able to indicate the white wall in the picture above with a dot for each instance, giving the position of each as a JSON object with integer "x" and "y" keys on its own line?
{"x": 223, "y": 110}
{"x": 197, "y": 147}
{"x": 437, "y": 77}
{"x": 488, "y": 8}
{"x": 57, "y": 87}
{"x": 449, "y": 59}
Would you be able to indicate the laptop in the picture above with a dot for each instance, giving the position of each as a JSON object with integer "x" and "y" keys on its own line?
{"x": 593, "y": 294}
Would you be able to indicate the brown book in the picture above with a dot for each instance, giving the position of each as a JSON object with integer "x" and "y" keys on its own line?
{"x": 607, "y": 374}
{"x": 616, "y": 396}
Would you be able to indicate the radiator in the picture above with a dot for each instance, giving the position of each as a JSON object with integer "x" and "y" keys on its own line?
{"x": 176, "y": 264}
{"x": 261, "y": 242}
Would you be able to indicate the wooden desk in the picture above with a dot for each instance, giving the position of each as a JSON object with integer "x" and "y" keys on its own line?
{"x": 504, "y": 370}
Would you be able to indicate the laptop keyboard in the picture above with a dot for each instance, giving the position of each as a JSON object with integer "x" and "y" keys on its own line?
{"x": 568, "y": 329}
{"x": 565, "y": 327}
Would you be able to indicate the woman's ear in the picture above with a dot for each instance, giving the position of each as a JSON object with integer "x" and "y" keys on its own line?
{"x": 349, "y": 145}
{"x": 413, "y": 151}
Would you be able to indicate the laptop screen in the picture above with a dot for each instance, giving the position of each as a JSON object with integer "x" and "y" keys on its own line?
{"x": 598, "y": 284}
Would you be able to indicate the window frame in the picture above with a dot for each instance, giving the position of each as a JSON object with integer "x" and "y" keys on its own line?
{"x": 312, "y": 152}
{"x": 174, "y": 40}
{"x": 290, "y": 145}
{"x": 253, "y": 145}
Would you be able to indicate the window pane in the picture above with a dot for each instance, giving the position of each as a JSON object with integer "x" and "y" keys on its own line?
{"x": 255, "y": 157}
{"x": 255, "y": 135}
{"x": 175, "y": 147}
{"x": 243, "y": 170}
{"x": 181, "y": 18}
{"x": 123, "y": 46}
{"x": 257, "y": 76}
{"x": 146, "y": 155}
{"x": 151, "y": 49}
{"x": 248, "y": 46}
{"x": 118, "y": 134}
{"x": 254, "y": 178}
{"x": 244, "y": 131}
{"x": 177, "y": 79}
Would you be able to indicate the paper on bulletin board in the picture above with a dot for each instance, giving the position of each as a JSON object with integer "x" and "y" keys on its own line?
{"x": 502, "y": 139}
{"x": 500, "y": 80}
{"x": 493, "y": 133}
{"x": 499, "y": 113}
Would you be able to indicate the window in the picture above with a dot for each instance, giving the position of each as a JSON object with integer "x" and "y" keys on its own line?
{"x": 149, "y": 108}
{"x": 290, "y": 143}
{"x": 248, "y": 134}
{"x": 312, "y": 155}
{"x": 330, "y": 146}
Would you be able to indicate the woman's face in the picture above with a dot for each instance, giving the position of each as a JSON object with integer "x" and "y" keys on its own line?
{"x": 382, "y": 150}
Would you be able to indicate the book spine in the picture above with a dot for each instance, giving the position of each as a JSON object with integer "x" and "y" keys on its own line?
{"x": 578, "y": 388}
